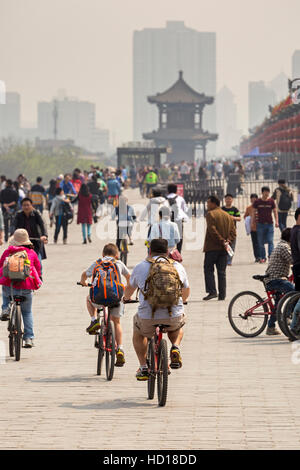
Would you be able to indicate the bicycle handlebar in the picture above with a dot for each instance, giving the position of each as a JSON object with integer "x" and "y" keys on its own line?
{"x": 130, "y": 301}
{"x": 88, "y": 285}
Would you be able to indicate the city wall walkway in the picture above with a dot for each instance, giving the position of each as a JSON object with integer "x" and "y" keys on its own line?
{"x": 232, "y": 393}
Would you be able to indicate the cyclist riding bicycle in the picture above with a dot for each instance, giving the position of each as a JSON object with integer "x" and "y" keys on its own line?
{"x": 110, "y": 254}
{"x": 125, "y": 217}
{"x": 145, "y": 321}
{"x": 278, "y": 272}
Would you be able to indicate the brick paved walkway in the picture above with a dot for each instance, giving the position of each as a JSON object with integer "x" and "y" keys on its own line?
{"x": 232, "y": 393}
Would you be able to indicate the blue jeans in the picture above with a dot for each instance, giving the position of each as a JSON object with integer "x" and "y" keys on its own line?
{"x": 26, "y": 308}
{"x": 86, "y": 228}
{"x": 282, "y": 287}
{"x": 265, "y": 234}
{"x": 282, "y": 217}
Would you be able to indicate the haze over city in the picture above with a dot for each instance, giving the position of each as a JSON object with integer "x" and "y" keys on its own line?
{"x": 86, "y": 48}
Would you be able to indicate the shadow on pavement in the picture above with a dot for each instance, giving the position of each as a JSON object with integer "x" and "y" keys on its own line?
{"x": 72, "y": 378}
{"x": 111, "y": 405}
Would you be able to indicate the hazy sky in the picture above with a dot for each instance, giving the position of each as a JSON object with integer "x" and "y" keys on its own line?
{"x": 85, "y": 46}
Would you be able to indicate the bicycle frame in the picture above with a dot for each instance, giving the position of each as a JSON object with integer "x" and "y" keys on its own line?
{"x": 269, "y": 301}
{"x": 105, "y": 319}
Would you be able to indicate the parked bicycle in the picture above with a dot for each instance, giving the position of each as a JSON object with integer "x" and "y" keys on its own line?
{"x": 248, "y": 312}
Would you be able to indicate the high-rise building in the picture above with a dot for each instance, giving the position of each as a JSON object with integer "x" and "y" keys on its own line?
{"x": 10, "y": 113}
{"x": 229, "y": 135}
{"x": 260, "y": 97}
{"x": 296, "y": 64}
{"x": 159, "y": 54}
{"x": 70, "y": 119}
{"x": 279, "y": 85}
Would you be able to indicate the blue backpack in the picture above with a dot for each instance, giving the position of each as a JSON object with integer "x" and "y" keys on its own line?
{"x": 107, "y": 288}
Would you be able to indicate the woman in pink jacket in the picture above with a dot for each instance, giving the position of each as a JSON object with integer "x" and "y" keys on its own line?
{"x": 20, "y": 242}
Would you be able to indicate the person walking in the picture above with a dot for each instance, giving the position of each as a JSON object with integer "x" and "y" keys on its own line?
{"x": 31, "y": 220}
{"x": 236, "y": 217}
{"x": 250, "y": 218}
{"x": 57, "y": 211}
{"x": 264, "y": 207}
{"x": 165, "y": 229}
{"x": 151, "y": 179}
{"x": 37, "y": 195}
{"x": 179, "y": 211}
{"x": 219, "y": 233}
{"x": 85, "y": 212}
{"x": 283, "y": 196}
{"x": 9, "y": 199}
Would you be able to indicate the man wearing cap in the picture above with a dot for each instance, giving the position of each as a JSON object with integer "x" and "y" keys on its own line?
{"x": 20, "y": 242}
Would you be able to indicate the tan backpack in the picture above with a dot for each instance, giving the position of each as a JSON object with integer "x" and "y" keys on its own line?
{"x": 163, "y": 285}
{"x": 17, "y": 266}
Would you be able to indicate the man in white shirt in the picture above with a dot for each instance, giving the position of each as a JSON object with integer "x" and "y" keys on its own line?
{"x": 144, "y": 324}
{"x": 179, "y": 210}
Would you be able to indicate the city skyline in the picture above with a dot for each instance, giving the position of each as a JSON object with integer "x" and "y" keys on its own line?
{"x": 87, "y": 49}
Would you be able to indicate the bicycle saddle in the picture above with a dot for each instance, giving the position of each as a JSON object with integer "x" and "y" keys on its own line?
{"x": 161, "y": 326}
{"x": 259, "y": 277}
{"x": 19, "y": 298}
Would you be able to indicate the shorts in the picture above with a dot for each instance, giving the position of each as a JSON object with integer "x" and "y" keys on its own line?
{"x": 146, "y": 327}
{"x": 116, "y": 312}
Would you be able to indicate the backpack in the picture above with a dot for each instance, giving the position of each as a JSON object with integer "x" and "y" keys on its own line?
{"x": 285, "y": 200}
{"x": 174, "y": 207}
{"x": 67, "y": 210}
{"x": 17, "y": 266}
{"x": 163, "y": 285}
{"x": 107, "y": 288}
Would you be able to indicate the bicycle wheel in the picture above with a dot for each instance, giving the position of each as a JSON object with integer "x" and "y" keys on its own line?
{"x": 279, "y": 311}
{"x": 124, "y": 251}
{"x": 111, "y": 354}
{"x": 151, "y": 367}
{"x": 11, "y": 329}
{"x": 100, "y": 353}
{"x": 18, "y": 333}
{"x": 250, "y": 325}
{"x": 162, "y": 373}
{"x": 288, "y": 313}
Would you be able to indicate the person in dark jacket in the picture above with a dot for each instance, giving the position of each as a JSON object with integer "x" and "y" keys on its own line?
{"x": 295, "y": 246}
{"x": 31, "y": 220}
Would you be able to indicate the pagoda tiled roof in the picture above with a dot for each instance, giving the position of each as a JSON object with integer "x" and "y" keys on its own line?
{"x": 180, "y": 92}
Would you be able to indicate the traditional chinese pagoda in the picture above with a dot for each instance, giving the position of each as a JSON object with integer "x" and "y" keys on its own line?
{"x": 180, "y": 121}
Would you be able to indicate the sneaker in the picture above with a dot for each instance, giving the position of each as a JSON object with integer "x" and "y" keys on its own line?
{"x": 272, "y": 331}
{"x": 28, "y": 343}
{"x": 142, "y": 374}
{"x": 262, "y": 261}
{"x": 5, "y": 314}
{"x": 95, "y": 325}
{"x": 295, "y": 332}
{"x": 89, "y": 239}
{"x": 120, "y": 358}
{"x": 84, "y": 242}
{"x": 176, "y": 361}
{"x": 65, "y": 241}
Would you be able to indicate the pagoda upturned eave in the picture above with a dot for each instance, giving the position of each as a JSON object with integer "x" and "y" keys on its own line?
{"x": 179, "y": 134}
{"x": 181, "y": 93}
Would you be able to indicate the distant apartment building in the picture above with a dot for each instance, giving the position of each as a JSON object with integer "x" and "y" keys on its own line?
{"x": 10, "y": 116}
{"x": 158, "y": 55}
{"x": 229, "y": 135}
{"x": 260, "y": 97}
{"x": 69, "y": 118}
{"x": 296, "y": 64}
{"x": 279, "y": 85}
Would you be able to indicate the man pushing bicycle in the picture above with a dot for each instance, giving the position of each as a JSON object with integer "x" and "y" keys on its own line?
{"x": 164, "y": 288}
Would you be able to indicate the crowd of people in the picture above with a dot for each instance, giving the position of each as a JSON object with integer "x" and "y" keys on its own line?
{"x": 22, "y": 225}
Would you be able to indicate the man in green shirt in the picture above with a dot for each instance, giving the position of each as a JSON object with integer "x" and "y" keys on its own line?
{"x": 151, "y": 179}
{"x": 236, "y": 216}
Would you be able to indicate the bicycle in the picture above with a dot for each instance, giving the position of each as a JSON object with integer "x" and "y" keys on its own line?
{"x": 15, "y": 325}
{"x": 105, "y": 340}
{"x": 288, "y": 313}
{"x": 124, "y": 250}
{"x": 248, "y": 319}
{"x": 158, "y": 365}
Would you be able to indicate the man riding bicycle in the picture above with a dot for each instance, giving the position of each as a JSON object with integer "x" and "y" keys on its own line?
{"x": 145, "y": 321}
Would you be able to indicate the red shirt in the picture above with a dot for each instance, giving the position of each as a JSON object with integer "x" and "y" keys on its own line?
{"x": 264, "y": 210}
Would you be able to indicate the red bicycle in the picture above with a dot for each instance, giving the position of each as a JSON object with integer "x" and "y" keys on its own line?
{"x": 248, "y": 312}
